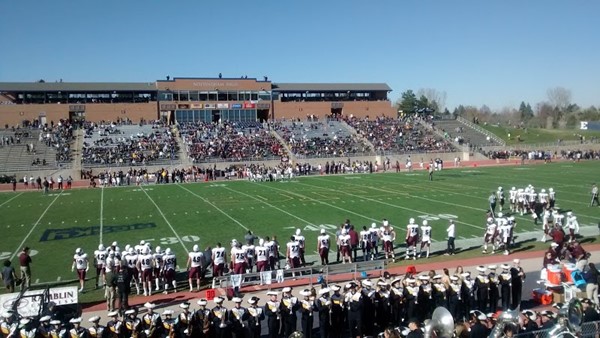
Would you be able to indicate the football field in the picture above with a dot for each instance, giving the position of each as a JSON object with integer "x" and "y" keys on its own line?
{"x": 181, "y": 215}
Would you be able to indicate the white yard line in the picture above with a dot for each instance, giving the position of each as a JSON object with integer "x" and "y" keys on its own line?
{"x": 12, "y": 198}
{"x": 34, "y": 226}
{"x": 166, "y": 220}
{"x": 101, "y": 213}
{"x": 214, "y": 206}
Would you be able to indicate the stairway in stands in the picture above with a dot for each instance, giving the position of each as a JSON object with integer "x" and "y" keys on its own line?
{"x": 471, "y": 133}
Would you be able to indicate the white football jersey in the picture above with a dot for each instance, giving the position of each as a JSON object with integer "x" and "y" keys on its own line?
{"x": 196, "y": 259}
{"x": 249, "y": 250}
{"x": 145, "y": 261}
{"x": 262, "y": 253}
{"x": 365, "y": 236}
{"x": 426, "y": 231}
{"x": 294, "y": 249}
{"x": 412, "y": 230}
{"x": 323, "y": 241}
{"x": 300, "y": 239}
{"x": 81, "y": 261}
{"x": 170, "y": 261}
{"x": 100, "y": 256}
{"x": 238, "y": 255}
{"x": 158, "y": 260}
{"x": 218, "y": 255}
{"x": 131, "y": 260}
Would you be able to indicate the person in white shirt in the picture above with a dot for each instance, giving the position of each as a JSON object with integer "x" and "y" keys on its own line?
{"x": 80, "y": 261}
{"x": 145, "y": 265}
{"x": 344, "y": 240}
{"x": 194, "y": 264}
{"x": 451, "y": 230}
{"x": 412, "y": 237}
{"x": 323, "y": 243}
{"x": 293, "y": 253}
{"x": 219, "y": 259}
{"x": 301, "y": 242}
{"x": 238, "y": 258}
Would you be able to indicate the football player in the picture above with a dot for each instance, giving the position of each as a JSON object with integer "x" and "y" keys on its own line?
{"x": 365, "y": 243}
{"x": 412, "y": 238}
{"x": 249, "y": 249}
{"x": 170, "y": 262}
{"x": 100, "y": 257}
{"x": 573, "y": 226}
{"x": 80, "y": 261}
{"x": 195, "y": 263}
{"x": 301, "y": 242}
{"x": 425, "y": 238}
{"x": 513, "y": 199}
{"x": 490, "y": 235}
{"x": 219, "y": 259}
{"x": 158, "y": 267}
{"x": 374, "y": 238}
{"x": 344, "y": 241}
{"x": 261, "y": 253}
{"x": 145, "y": 267}
{"x": 323, "y": 243}
{"x": 132, "y": 259}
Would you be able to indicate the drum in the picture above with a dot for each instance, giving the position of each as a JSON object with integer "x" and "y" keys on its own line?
{"x": 554, "y": 275}
{"x": 568, "y": 270}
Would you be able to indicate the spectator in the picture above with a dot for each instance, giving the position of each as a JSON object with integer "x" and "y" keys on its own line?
{"x": 25, "y": 263}
{"x": 9, "y": 276}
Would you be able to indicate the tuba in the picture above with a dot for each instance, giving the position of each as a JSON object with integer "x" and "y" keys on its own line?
{"x": 441, "y": 323}
{"x": 569, "y": 320}
{"x": 506, "y": 318}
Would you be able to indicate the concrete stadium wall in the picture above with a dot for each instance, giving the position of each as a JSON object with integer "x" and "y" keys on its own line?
{"x": 13, "y": 115}
{"x": 321, "y": 109}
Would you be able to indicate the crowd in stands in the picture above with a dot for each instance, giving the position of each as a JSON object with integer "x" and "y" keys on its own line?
{"x": 237, "y": 141}
{"x": 543, "y": 155}
{"x": 113, "y": 147}
{"x": 59, "y": 137}
{"x": 397, "y": 134}
{"x": 319, "y": 139}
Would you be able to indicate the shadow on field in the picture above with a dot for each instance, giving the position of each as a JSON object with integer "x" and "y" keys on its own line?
{"x": 522, "y": 246}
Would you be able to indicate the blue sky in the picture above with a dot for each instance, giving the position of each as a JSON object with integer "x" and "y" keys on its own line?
{"x": 479, "y": 52}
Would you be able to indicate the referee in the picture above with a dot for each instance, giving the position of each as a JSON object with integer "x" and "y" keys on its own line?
{"x": 594, "y": 195}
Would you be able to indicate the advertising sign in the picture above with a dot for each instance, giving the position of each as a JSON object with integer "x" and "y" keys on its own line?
{"x": 236, "y": 106}
{"x": 249, "y": 105}
{"x": 223, "y": 105}
{"x": 30, "y": 304}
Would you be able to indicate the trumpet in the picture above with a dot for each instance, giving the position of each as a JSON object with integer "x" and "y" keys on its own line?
{"x": 254, "y": 313}
{"x": 237, "y": 313}
{"x": 223, "y": 317}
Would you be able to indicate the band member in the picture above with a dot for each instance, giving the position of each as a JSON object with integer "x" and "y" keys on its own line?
{"x": 439, "y": 292}
{"x": 237, "y": 316}
{"x": 298, "y": 237}
{"x": 77, "y": 331}
{"x": 397, "y": 301}
{"x": 467, "y": 293}
{"x": 323, "y": 305}
{"x": 168, "y": 323}
{"x": 201, "y": 320}
{"x": 261, "y": 252}
{"x": 493, "y": 293}
{"x": 365, "y": 244}
{"x": 100, "y": 256}
{"x": 517, "y": 278}
{"x": 170, "y": 262}
{"x": 354, "y": 303}
{"x": 288, "y": 307}
{"x": 344, "y": 246}
{"x": 151, "y": 323}
{"x": 490, "y": 235}
{"x": 256, "y": 316}
{"x": 425, "y": 238}
{"x": 323, "y": 243}
{"x": 411, "y": 291}
{"x": 96, "y": 330}
{"x": 183, "y": 323}
{"x": 273, "y": 314}
{"x": 382, "y": 313}
{"x": 219, "y": 259}
{"x": 133, "y": 325}
{"x": 338, "y": 313}
{"x": 425, "y": 299}
{"x": 307, "y": 307}
{"x": 505, "y": 283}
{"x": 481, "y": 289}
{"x": 113, "y": 326}
{"x": 28, "y": 330}
{"x": 455, "y": 297}
{"x": 412, "y": 238}
{"x": 80, "y": 260}
{"x": 195, "y": 263}
{"x": 144, "y": 265}
{"x": 43, "y": 329}
{"x": 159, "y": 265}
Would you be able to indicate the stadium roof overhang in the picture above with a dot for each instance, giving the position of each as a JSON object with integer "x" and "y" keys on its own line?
{"x": 77, "y": 86}
{"x": 330, "y": 87}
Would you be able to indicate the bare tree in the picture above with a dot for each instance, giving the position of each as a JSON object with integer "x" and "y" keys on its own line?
{"x": 436, "y": 98}
{"x": 559, "y": 97}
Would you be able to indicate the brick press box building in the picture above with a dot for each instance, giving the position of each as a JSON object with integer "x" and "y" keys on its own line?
{"x": 188, "y": 100}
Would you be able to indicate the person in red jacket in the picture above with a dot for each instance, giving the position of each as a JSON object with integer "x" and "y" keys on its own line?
{"x": 353, "y": 241}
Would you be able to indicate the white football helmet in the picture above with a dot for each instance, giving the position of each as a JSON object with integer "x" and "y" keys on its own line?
{"x": 373, "y": 225}
{"x": 500, "y": 214}
{"x": 543, "y": 190}
{"x": 158, "y": 248}
{"x": 78, "y": 251}
{"x": 168, "y": 251}
{"x": 101, "y": 247}
{"x": 146, "y": 250}
{"x": 196, "y": 248}
{"x": 298, "y": 231}
{"x": 570, "y": 213}
{"x": 550, "y": 189}
{"x": 411, "y": 221}
{"x": 131, "y": 251}
{"x": 127, "y": 247}
{"x": 499, "y": 188}
{"x": 490, "y": 220}
{"x": 114, "y": 243}
{"x": 322, "y": 231}
{"x": 425, "y": 222}
{"x": 142, "y": 242}
{"x": 261, "y": 242}
{"x": 513, "y": 188}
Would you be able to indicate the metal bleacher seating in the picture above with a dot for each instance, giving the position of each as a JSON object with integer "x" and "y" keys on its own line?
{"x": 14, "y": 157}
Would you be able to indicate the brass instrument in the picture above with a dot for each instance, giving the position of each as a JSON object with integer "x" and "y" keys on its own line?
{"x": 505, "y": 318}
{"x": 150, "y": 331}
{"x": 237, "y": 313}
{"x": 190, "y": 324}
{"x": 254, "y": 312}
{"x": 441, "y": 323}
{"x": 221, "y": 313}
{"x": 570, "y": 317}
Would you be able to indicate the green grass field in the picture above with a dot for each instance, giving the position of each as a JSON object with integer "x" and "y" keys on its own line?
{"x": 538, "y": 135}
{"x": 179, "y": 216}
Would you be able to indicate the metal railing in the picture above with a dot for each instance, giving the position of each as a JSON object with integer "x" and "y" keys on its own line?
{"x": 481, "y": 130}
